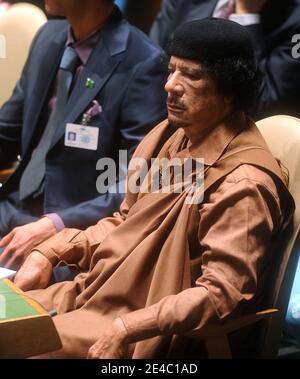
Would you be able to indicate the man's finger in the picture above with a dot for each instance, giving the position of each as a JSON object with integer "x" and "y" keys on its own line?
{"x": 23, "y": 285}
{"x": 23, "y": 282}
{"x": 93, "y": 353}
{"x": 96, "y": 350}
{"x": 10, "y": 250}
{"x": 90, "y": 353}
{"x": 6, "y": 239}
{"x": 5, "y": 256}
{"x": 13, "y": 261}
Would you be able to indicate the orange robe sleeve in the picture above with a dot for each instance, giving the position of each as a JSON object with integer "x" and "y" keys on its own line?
{"x": 236, "y": 227}
{"x": 76, "y": 247}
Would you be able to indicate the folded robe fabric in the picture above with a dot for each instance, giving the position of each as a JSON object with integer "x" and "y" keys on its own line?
{"x": 166, "y": 266}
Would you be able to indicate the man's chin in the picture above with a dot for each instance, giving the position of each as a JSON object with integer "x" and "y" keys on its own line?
{"x": 53, "y": 9}
{"x": 54, "y": 12}
{"x": 176, "y": 123}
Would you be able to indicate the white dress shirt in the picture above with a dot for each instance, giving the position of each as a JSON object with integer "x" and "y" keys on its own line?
{"x": 242, "y": 19}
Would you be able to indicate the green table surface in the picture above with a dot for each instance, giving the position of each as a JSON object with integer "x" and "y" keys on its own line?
{"x": 13, "y": 305}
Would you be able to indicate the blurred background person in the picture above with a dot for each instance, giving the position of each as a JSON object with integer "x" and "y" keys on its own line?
{"x": 94, "y": 63}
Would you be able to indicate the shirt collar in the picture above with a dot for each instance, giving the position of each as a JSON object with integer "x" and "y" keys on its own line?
{"x": 85, "y": 46}
{"x": 214, "y": 143}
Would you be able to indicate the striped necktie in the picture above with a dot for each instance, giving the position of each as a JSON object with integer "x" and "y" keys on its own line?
{"x": 34, "y": 172}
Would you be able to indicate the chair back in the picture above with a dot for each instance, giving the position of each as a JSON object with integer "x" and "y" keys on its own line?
{"x": 18, "y": 26}
{"x": 282, "y": 134}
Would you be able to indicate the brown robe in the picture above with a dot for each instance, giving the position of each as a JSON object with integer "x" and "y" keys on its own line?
{"x": 166, "y": 267}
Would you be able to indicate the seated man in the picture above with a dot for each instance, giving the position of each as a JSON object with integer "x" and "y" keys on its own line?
{"x": 94, "y": 70}
{"x": 171, "y": 260}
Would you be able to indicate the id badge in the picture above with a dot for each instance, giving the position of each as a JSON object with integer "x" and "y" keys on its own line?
{"x": 82, "y": 137}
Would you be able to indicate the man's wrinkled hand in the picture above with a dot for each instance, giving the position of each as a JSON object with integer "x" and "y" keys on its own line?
{"x": 113, "y": 344}
{"x": 35, "y": 273}
{"x": 21, "y": 240}
{"x": 249, "y": 6}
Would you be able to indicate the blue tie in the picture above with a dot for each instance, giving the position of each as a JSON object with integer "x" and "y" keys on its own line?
{"x": 34, "y": 172}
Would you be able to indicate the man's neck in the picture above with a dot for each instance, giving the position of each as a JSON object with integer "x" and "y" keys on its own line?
{"x": 197, "y": 134}
{"x": 89, "y": 18}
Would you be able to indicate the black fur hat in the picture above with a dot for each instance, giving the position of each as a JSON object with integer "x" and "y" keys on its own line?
{"x": 211, "y": 39}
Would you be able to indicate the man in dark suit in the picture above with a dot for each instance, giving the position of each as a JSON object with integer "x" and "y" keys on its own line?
{"x": 93, "y": 69}
{"x": 271, "y": 23}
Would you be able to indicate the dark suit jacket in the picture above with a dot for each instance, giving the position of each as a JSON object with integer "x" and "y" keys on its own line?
{"x": 280, "y": 20}
{"x": 129, "y": 84}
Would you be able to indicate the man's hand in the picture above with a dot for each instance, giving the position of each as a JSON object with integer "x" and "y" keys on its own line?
{"x": 35, "y": 273}
{"x": 249, "y": 6}
{"x": 21, "y": 240}
{"x": 113, "y": 344}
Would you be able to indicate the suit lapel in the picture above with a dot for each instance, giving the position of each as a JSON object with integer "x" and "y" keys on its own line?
{"x": 103, "y": 62}
{"x": 45, "y": 78}
{"x": 82, "y": 96}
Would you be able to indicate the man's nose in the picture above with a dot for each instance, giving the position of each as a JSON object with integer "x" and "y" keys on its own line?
{"x": 173, "y": 85}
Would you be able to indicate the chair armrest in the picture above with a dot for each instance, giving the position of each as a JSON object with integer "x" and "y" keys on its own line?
{"x": 216, "y": 335}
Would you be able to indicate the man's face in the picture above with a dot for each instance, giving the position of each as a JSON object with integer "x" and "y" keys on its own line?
{"x": 59, "y": 7}
{"x": 193, "y": 99}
